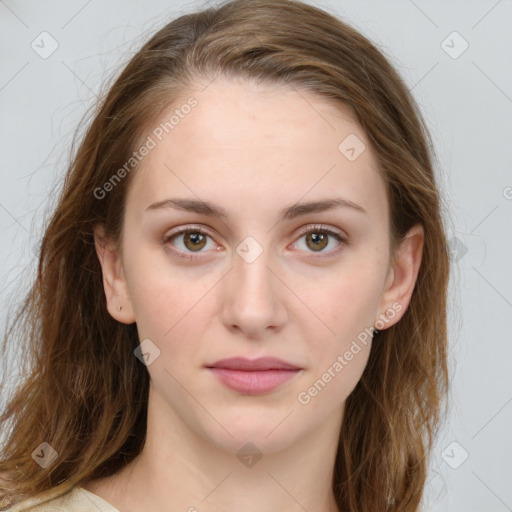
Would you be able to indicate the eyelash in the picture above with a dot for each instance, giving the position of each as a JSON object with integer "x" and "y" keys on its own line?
{"x": 307, "y": 230}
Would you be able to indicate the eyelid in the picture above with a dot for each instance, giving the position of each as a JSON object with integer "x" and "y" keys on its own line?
{"x": 196, "y": 228}
{"x": 302, "y": 231}
{"x": 187, "y": 227}
{"x": 323, "y": 227}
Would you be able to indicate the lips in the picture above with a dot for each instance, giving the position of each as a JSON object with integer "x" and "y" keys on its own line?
{"x": 253, "y": 377}
{"x": 263, "y": 363}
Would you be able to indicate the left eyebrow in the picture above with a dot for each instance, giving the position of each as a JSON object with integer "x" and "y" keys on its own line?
{"x": 288, "y": 213}
{"x": 319, "y": 206}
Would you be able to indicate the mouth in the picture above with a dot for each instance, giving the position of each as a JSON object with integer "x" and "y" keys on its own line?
{"x": 253, "y": 377}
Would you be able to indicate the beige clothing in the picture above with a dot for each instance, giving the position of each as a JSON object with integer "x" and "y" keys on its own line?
{"x": 77, "y": 500}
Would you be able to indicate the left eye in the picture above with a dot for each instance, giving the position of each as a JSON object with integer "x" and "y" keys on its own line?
{"x": 317, "y": 238}
{"x": 194, "y": 240}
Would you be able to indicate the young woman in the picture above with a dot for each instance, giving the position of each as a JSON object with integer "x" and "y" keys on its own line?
{"x": 241, "y": 295}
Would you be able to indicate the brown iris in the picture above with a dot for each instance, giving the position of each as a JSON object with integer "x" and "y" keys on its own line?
{"x": 197, "y": 240}
{"x": 318, "y": 239}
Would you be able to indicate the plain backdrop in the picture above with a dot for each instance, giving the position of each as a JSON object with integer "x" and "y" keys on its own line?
{"x": 456, "y": 58}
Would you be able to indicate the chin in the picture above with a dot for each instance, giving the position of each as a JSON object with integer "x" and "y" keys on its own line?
{"x": 266, "y": 430}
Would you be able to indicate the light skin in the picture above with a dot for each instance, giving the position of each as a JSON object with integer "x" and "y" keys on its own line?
{"x": 253, "y": 151}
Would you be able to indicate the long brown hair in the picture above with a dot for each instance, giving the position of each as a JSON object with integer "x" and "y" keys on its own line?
{"x": 86, "y": 393}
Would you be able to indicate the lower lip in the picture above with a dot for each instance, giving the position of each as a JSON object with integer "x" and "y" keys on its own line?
{"x": 256, "y": 382}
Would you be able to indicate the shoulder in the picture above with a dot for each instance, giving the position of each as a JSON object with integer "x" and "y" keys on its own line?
{"x": 76, "y": 500}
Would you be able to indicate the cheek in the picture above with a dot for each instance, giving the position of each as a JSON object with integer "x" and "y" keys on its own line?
{"x": 164, "y": 308}
{"x": 332, "y": 382}
{"x": 162, "y": 294}
{"x": 347, "y": 302}
{"x": 340, "y": 353}
{"x": 341, "y": 340}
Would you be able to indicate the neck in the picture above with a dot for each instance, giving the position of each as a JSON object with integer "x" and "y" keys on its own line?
{"x": 178, "y": 469}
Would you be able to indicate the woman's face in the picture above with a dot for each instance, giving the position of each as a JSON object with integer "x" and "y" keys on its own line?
{"x": 267, "y": 275}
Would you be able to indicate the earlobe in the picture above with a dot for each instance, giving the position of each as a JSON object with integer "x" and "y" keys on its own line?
{"x": 401, "y": 279}
{"x": 114, "y": 283}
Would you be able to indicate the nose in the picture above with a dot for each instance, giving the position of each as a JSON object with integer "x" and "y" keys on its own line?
{"x": 253, "y": 298}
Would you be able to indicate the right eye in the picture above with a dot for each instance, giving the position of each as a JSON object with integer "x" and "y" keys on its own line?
{"x": 193, "y": 240}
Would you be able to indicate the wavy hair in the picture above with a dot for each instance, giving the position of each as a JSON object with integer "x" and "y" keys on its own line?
{"x": 86, "y": 394}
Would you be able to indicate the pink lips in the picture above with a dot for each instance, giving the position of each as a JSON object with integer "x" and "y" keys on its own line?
{"x": 253, "y": 377}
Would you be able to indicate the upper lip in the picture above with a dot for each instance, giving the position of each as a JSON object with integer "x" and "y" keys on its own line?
{"x": 262, "y": 363}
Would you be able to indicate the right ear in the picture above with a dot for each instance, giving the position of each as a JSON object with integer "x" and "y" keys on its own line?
{"x": 119, "y": 303}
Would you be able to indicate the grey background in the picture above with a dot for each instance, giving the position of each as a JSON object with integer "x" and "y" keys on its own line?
{"x": 466, "y": 97}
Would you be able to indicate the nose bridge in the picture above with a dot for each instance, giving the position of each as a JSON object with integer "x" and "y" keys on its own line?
{"x": 253, "y": 279}
{"x": 254, "y": 300}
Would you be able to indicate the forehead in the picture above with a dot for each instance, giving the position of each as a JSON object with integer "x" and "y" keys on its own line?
{"x": 248, "y": 146}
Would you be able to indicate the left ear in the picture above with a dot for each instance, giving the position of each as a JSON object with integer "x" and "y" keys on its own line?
{"x": 401, "y": 279}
